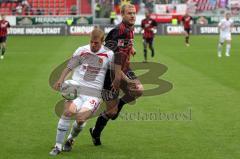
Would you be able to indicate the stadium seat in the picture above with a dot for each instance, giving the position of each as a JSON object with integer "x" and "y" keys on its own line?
{"x": 61, "y": 7}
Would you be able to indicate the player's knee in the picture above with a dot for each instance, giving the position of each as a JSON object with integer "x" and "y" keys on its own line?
{"x": 111, "y": 114}
{"x": 139, "y": 91}
{"x": 69, "y": 109}
{"x": 80, "y": 121}
{"x": 67, "y": 113}
{"x": 114, "y": 117}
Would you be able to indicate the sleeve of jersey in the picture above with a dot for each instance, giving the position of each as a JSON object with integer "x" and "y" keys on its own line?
{"x": 220, "y": 23}
{"x": 111, "y": 59}
{"x": 76, "y": 60}
{"x": 114, "y": 42}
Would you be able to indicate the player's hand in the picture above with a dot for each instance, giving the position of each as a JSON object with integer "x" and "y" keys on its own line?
{"x": 132, "y": 84}
{"x": 58, "y": 85}
{"x": 154, "y": 30}
{"x": 133, "y": 51}
{"x": 116, "y": 83}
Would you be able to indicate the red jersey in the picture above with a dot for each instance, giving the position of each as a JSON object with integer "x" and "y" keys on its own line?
{"x": 120, "y": 41}
{"x": 148, "y": 25}
{"x": 186, "y": 22}
{"x": 4, "y": 25}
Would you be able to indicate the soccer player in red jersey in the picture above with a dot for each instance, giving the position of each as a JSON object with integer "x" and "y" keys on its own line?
{"x": 149, "y": 27}
{"x": 186, "y": 20}
{"x": 4, "y": 25}
{"x": 120, "y": 41}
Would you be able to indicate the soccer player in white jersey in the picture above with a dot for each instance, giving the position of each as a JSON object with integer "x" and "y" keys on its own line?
{"x": 89, "y": 65}
{"x": 225, "y": 27}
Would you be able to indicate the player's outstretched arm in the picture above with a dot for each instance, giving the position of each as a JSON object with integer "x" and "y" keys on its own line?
{"x": 59, "y": 82}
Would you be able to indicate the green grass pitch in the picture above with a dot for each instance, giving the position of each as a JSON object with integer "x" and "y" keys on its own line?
{"x": 203, "y": 84}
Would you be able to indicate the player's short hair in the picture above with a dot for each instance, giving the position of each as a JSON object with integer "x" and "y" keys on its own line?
{"x": 125, "y": 6}
{"x": 97, "y": 33}
{"x": 227, "y": 13}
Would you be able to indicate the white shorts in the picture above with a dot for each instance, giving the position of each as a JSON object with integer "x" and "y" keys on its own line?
{"x": 84, "y": 101}
{"x": 225, "y": 36}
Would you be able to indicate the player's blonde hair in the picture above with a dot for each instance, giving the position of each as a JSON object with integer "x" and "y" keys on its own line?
{"x": 123, "y": 8}
{"x": 97, "y": 33}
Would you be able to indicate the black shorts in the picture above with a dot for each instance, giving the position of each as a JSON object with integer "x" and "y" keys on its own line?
{"x": 107, "y": 93}
{"x": 148, "y": 40}
{"x": 3, "y": 39}
{"x": 187, "y": 30}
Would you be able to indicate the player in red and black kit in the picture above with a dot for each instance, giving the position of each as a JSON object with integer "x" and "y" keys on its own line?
{"x": 120, "y": 40}
{"x": 4, "y": 25}
{"x": 149, "y": 26}
{"x": 186, "y": 20}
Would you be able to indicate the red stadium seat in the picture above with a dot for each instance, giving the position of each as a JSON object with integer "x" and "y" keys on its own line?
{"x": 3, "y": 5}
{"x": 34, "y": 5}
{"x": 46, "y": 5}
{"x": 59, "y": 7}
{"x": 14, "y": 5}
{"x": 51, "y": 5}
{"x": 9, "y": 5}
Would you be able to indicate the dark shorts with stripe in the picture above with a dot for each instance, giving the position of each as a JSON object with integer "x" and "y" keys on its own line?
{"x": 148, "y": 40}
{"x": 3, "y": 39}
{"x": 107, "y": 93}
{"x": 187, "y": 30}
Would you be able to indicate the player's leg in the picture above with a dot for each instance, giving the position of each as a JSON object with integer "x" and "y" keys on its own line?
{"x": 3, "y": 47}
{"x": 77, "y": 127}
{"x": 102, "y": 120}
{"x": 150, "y": 42}
{"x": 220, "y": 45}
{"x": 112, "y": 111}
{"x": 187, "y": 33}
{"x": 228, "y": 45}
{"x": 109, "y": 97}
{"x": 89, "y": 106}
{"x": 132, "y": 91}
{"x": 63, "y": 126}
{"x": 145, "y": 49}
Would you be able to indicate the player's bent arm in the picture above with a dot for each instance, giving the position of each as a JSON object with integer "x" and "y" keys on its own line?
{"x": 220, "y": 24}
{"x": 124, "y": 77}
{"x": 59, "y": 82}
{"x": 231, "y": 29}
{"x": 118, "y": 76}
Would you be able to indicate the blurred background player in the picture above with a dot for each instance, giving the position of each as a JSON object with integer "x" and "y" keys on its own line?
{"x": 149, "y": 28}
{"x": 225, "y": 26}
{"x": 4, "y": 25}
{"x": 187, "y": 20}
{"x": 89, "y": 65}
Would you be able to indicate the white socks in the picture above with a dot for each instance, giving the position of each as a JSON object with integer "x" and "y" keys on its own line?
{"x": 62, "y": 129}
{"x": 228, "y": 47}
{"x": 219, "y": 50}
{"x": 76, "y": 129}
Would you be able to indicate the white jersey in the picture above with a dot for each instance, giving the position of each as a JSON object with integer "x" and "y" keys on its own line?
{"x": 89, "y": 68}
{"x": 225, "y": 26}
